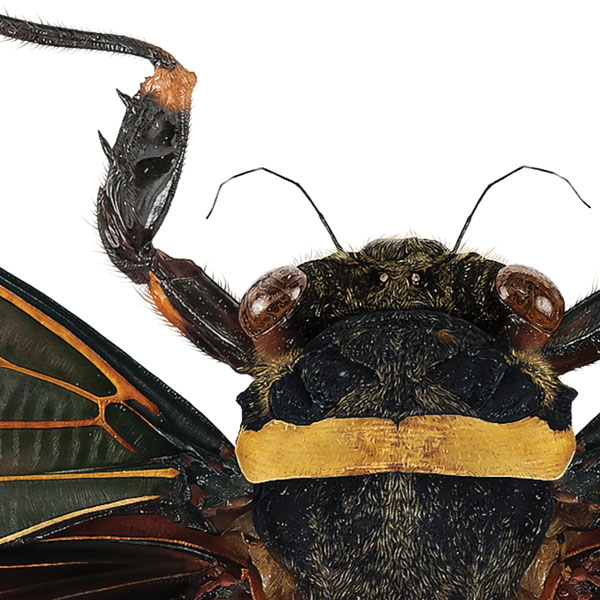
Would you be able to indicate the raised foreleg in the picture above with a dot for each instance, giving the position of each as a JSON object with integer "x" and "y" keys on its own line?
{"x": 144, "y": 168}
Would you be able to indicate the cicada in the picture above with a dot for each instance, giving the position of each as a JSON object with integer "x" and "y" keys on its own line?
{"x": 405, "y": 434}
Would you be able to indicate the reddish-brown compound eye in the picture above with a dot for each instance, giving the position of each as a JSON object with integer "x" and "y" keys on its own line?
{"x": 536, "y": 302}
{"x": 271, "y": 300}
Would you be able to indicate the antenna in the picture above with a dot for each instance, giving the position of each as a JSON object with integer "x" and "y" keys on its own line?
{"x": 271, "y": 172}
{"x": 491, "y": 185}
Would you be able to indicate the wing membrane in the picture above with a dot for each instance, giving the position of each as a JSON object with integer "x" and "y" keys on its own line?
{"x": 33, "y": 504}
{"x": 52, "y": 381}
{"x": 86, "y": 432}
{"x": 97, "y": 569}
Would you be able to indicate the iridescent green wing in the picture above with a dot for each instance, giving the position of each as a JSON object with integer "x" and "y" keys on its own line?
{"x": 88, "y": 436}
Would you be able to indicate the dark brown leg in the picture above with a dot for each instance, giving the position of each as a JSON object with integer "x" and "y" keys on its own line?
{"x": 144, "y": 169}
{"x": 576, "y": 342}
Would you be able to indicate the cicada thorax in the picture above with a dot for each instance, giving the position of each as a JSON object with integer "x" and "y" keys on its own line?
{"x": 397, "y": 365}
{"x": 407, "y": 333}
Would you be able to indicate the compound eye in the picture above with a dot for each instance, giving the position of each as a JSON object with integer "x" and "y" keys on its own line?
{"x": 537, "y": 305}
{"x": 271, "y": 300}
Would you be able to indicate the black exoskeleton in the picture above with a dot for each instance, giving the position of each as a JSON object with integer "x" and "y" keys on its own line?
{"x": 401, "y": 329}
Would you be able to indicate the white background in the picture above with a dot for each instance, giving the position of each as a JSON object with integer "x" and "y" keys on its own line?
{"x": 393, "y": 115}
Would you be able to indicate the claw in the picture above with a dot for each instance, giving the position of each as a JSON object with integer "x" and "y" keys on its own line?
{"x": 125, "y": 98}
{"x": 106, "y": 148}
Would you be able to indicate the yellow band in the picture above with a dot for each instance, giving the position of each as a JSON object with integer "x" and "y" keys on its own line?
{"x": 442, "y": 444}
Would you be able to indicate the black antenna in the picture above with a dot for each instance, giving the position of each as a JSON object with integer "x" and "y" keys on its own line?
{"x": 491, "y": 185}
{"x": 271, "y": 172}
